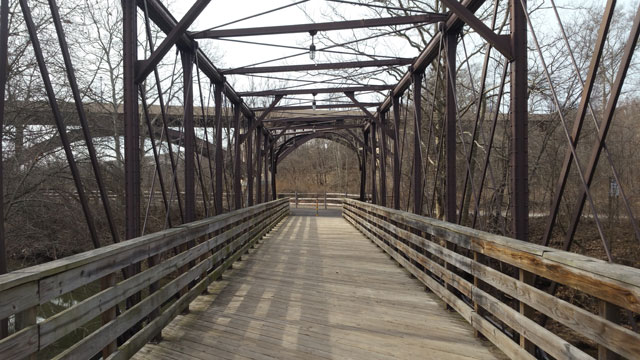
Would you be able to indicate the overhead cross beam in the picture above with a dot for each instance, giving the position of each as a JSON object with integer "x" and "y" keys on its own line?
{"x": 317, "y": 127}
{"x": 327, "y": 26}
{"x": 325, "y": 106}
{"x": 502, "y": 43}
{"x": 145, "y": 67}
{"x": 161, "y": 16}
{"x": 430, "y": 52}
{"x": 312, "y": 67}
{"x": 316, "y": 118}
{"x": 317, "y": 91}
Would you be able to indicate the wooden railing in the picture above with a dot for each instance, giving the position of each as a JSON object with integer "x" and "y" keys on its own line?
{"x": 321, "y": 199}
{"x": 176, "y": 266}
{"x": 462, "y": 266}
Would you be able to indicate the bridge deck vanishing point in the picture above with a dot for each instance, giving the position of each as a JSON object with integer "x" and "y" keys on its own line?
{"x": 315, "y": 288}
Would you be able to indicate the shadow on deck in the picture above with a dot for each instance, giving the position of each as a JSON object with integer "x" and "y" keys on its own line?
{"x": 315, "y": 288}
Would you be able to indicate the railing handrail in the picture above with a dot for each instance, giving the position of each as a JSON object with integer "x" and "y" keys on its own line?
{"x": 195, "y": 253}
{"x": 611, "y": 283}
{"x": 37, "y": 272}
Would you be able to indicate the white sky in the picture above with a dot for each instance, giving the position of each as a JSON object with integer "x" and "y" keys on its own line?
{"x": 232, "y": 54}
{"x": 235, "y": 54}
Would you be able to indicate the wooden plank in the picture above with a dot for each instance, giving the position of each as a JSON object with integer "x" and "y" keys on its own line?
{"x": 20, "y": 344}
{"x": 142, "y": 337}
{"x": 312, "y": 290}
{"x": 605, "y": 332}
{"x": 617, "y": 284}
{"x": 18, "y": 298}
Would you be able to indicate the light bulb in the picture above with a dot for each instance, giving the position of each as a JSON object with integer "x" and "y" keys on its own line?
{"x": 312, "y": 52}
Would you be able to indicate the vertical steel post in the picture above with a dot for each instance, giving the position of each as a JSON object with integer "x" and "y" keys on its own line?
{"x": 396, "y": 153}
{"x": 217, "y": 95}
{"x": 383, "y": 158}
{"x": 250, "y": 150}
{"x": 266, "y": 168}
{"x": 417, "y": 147}
{"x": 131, "y": 120}
{"x": 237, "y": 174}
{"x": 372, "y": 134}
{"x": 259, "y": 164}
{"x": 450, "y": 124}
{"x": 273, "y": 174}
{"x": 363, "y": 169}
{"x": 189, "y": 137}
{"x": 4, "y": 44}
{"x": 519, "y": 142}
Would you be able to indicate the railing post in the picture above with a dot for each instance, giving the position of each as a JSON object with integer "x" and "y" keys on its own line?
{"x": 611, "y": 313}
{"x": 325, "y": 200}
{"x": 296, "y": 199}
{"x": 24, "y": 319}
{"x": 109, "y": 315}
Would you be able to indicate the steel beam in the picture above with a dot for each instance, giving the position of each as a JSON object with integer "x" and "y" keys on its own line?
{"x": 249, "y": 165}
{"x": 237, "y": 174}
{"x": 4, "y": 51}
{"x": 383, "y": 159}
{"x": 372, "y": 134}
{"x": 145, "y": 67}
{"x": 581, "y": 114}
{"x": 430, "y": 52}
{"x": 499, "y": 42}
{"x": 318, "y": 127}
{"x": 131, "y": 120}
{"x": 319, "y": 107}
{"x": 519, "y": 143}
{"x": 189, "y": 138}
{"x": 363, "y": 168}
{"x": 217, "y": 95}
{"x": 605, "y": 125}
{"x": 274, "y": 165}
{"x": 318, "y": 118}
{"x": 262, "y": 117}
{"x": 166, "y": 22}
{"x": 315, "y": 27}
{"x": 418, "y": 191}
{"x": 258, "y": 154}
{"x": 266, "y": 169}
{"x": 317, "y": 67}
{"x": 450, "y": 44}
{"x": 317, "y": 91}
{"x": 396, "y": 154}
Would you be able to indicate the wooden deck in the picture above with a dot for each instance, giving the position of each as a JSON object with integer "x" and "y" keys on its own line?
{"x": 315, "y": 288}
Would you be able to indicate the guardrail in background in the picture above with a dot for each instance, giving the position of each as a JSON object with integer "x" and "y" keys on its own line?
{"x": 453, "y": 262}
{"x": 178, "y": 265}
{"x": 325, "y": 199}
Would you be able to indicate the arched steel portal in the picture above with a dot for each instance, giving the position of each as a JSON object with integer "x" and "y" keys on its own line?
{"x": 351, "y": 141}
{"x": 295, "y": 142}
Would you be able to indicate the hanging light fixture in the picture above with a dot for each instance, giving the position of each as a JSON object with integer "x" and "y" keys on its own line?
{"x": 312, "y": 48}
{"x": 313, "y": 103}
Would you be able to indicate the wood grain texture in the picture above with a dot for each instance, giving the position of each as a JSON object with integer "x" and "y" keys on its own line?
{"x": 315, "y": 288}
